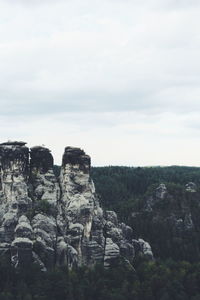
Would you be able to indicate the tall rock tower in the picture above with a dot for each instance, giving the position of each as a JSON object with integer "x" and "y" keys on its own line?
{"x": 15, "y": 231}
{"x": 56, "y": 221}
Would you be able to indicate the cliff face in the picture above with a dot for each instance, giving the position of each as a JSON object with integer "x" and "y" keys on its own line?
{"x": 51, "y": 221}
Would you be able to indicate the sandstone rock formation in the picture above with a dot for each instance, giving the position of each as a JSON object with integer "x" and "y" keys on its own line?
{"x": 49, "y": 220}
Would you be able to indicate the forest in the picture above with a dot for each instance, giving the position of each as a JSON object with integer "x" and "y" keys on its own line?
{"x": 172, "y": 225}
{"x": 120, "y": 188}
{"x": 148, "y": 280}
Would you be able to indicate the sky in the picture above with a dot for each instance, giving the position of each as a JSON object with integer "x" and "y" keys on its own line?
{"x": 117, "y": 78}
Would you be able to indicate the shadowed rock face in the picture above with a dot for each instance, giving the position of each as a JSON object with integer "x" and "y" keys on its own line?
{"x": 43, "y": 184}
{"x": 14, "y": 159}
{"x": 14, "y": 199}
{"x": 76, "y": 157}
{"x": 41, "y": 159}
{"x": 56, "y": 221}
{"x": 14, "y": 165}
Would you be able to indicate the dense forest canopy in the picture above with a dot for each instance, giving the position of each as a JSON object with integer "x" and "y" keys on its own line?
{"x": 120, "y": 187}
{"x": 171, "y": 226}
{"x": 150, "y": 280}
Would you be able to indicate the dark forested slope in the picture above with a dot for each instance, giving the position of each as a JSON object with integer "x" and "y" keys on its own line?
{"x": 158, "y": 203}
{"x": 150, "y": 280}
{"x": 120, "y": 187}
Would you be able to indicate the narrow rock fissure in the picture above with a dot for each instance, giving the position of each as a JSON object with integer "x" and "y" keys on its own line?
{"x": 58, "y": 202}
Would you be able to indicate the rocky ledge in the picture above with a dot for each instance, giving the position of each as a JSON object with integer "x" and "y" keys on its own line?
{"x": 48, "y": 220}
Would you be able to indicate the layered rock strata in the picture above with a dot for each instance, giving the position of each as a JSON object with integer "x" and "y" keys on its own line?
{"x": 49, "y": 220}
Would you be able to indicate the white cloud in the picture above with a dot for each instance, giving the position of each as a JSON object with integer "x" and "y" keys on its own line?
{"x": 73, "y": 69}
{"x": 122, "y": 138}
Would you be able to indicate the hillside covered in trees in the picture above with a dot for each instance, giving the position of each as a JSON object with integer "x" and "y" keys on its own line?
{"x": 161, "y": 204}
{"x": 149, "y": 280}
{"x": 120, "y": 188}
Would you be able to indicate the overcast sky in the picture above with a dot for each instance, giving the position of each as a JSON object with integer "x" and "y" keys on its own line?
{"x": 118, "y": 78}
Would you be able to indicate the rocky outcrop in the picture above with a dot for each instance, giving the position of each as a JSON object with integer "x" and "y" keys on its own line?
{"x": 169, "y": 219}
{"x": 191, "y": 187}
{"x": 49, "y": 220}
{"x": 43, "y": 184}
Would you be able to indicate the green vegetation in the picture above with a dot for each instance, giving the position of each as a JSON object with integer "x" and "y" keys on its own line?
{"x": 41, "y": 206}
{"x": 121, "y": 188}
{"x": 149, "y": 281}
{"x": 167, "y": 226}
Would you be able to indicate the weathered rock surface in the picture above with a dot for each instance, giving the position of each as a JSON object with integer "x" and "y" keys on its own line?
{"x": 43, "y": 183}
{"x": 49, "y": 220}
{"x": 191, "y": 187}
{"x": 169, "y": 219}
